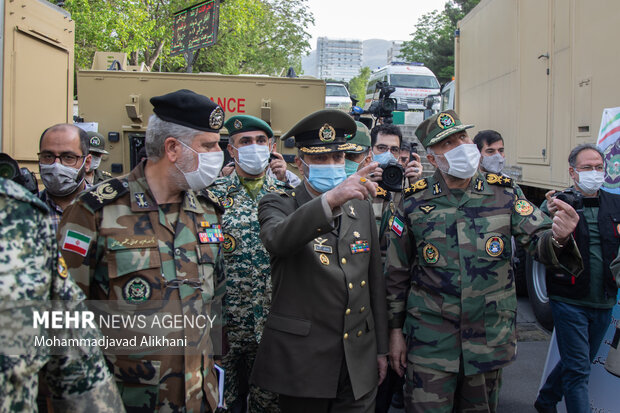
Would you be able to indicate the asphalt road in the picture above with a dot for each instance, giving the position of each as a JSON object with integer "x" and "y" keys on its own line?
{"x": 522, "y": 378}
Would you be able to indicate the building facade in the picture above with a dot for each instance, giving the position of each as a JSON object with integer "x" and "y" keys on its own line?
{"x": 338, "y": 59}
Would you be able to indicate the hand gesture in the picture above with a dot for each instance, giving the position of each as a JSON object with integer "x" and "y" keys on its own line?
{"x": 565, "y": 221}
{"x": 357, "y": 186}
{"x": 551, "y": 203}
{"x": 398, "y": 351}
{"x": 278, "y": 166}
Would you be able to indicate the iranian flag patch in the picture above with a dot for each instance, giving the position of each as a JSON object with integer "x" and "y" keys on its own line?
{"x": 397, "y": 226}
{"x": 76, "y": 242}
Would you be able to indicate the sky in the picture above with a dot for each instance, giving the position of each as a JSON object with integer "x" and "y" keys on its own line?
{"x": 368, "y": 19}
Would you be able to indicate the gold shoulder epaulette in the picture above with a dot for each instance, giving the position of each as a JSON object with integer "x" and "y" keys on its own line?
{"x": 381, "y": 192}
{"x": 501, "y": 180}
{"x": 417, "y": 186}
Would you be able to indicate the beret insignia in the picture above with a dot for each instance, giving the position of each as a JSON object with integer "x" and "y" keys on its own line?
{"x": 445, "y": 121}
{"x": 238, "y": 124}
{"x": 327, "y": 133}
{"x": 216, "y": 119}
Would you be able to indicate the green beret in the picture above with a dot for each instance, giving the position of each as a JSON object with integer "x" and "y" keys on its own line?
{"x": 246, "y": 123}
{"x": 323, "y": 131}
{"x": 190, "y": 109}
{"x": 361, "y": 140}
{"x": 96, "y": 143}
{"x": 438, "y": 127}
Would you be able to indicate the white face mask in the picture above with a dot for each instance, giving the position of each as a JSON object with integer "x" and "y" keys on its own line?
{"x": 95, "y": 162}
{"x": 209, "y": 166}
{"x": 493, "y": 163}
{"x": 253, "y": 159}
{"x": 590, "y": 181}
{"x": 463, "y": 161}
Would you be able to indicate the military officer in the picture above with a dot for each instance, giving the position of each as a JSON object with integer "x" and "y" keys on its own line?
{"x": 96, "y": 148}
{"x": 449, "y": 280}
{"x": 150, "y": 237}
{"x": 31, "y": 272}
{"x": 248, "y": 279}
{"x": 325, "y": 338}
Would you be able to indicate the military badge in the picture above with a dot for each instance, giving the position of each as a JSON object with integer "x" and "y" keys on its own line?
{"x": 436, "y": 189}
{"x": 351, "y": 210}
{"x": 397, "y": 226}
{"x": 211, "y": 235}
{"x": 103, "y": 192}
{"x": 216, "y": 119}
{"x": 137, "y": 290}
{"x": 479, "y": 186}
{"x": 431, "y": 253}
{"x": 494, "y": 246}
{"x": 204, "y": 224}
{"x": 392, "y": 207}
{"x": 359, "y": 246}
{"x": 427, "y": 208}
{"x": 523, "y": 207}
{"x": 140, "y": 200}
{"x": 237, "y": 124}
{"x": 356, "y": 234}
{"x": 501, "y": 180}
{"x": 227, "y": 202}
{"x": 320, "y": 247}
{"x": 445, "y": 121}
{"x": 327, "y": 133}
{"x": 229, "y": 244}
{"x": 381, "y": 192}
{"x": 95, "y": 141}
{"x": 62, "y": 267}
{"x": 324, "y": 260}
{"x": 190, "y": 199}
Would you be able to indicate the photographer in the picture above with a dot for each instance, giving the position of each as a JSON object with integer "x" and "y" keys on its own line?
{"x": 581, "y": 306}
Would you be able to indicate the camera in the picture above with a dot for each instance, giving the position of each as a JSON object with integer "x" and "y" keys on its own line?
{"x": 572, "y": 197}
{"x": 9, "y": 169}
{"x": 392, "y": 176}
{"x": 385, "y": 105}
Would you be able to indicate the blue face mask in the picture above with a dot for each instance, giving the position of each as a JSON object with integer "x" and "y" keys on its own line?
{"x": 350, "y": 167}
{"x": 325, "y": 177}
{"x": 383, "y": 158}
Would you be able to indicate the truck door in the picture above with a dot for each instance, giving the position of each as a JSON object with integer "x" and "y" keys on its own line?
{"x": 534, "y": 82}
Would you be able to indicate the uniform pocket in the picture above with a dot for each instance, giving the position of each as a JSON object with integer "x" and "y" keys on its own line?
{"x": 138, "y": 382}
{"x": 432, "y": 243}
{"x": 493, "y": 238}
{"x": 297, "y": 326}
{"x": 135, "y": 274}
{"x": 500, "y": 317}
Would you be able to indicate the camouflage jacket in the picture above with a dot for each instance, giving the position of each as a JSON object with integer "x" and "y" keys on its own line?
{"x": 32, "y": 274}
{"x": 449, "y": 279}
{"x": 119, "y": 244}
{"x": 248, "y": 276}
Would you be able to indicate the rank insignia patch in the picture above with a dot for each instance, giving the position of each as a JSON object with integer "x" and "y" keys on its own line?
{"x": 494, "y": 246}
{"x": 356, "y": 234}
{"x": 427, "y": 208}
{"x": 397, "y": 226}
{"x": 523, "y": 207}
{"x": 229, "y": 244}
{"x": 324, "y": 260}
{"x": 436, "y": 189}
{"x": 137, "y": 290}
{"x": 140, "y": 200}
{"x": 359, "y": 246}
{"x": 431, "y": 253}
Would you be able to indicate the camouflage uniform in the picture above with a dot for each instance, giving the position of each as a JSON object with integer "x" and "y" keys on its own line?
{"x": 31, "y": 271}
{"x": 450, "y": 284}
{"x": 137, "y": 250}
{"x": 248, "y": 284}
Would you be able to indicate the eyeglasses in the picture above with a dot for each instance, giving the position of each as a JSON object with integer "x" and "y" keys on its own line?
{"x": 597, "y": 168}
{"x": 394, "y": 149}
{"x": 67, "y": 159}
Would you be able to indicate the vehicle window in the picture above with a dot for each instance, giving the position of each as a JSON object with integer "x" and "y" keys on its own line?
{"x": 414, "y": 81}
{"x": 336, "y": 90}
{"x": 445, "y": 101}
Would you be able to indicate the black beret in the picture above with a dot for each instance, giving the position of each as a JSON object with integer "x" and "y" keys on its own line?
{"x": 190, "y": 109}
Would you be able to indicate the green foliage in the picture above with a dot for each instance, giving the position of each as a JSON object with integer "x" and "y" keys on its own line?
{"x": 357, "y": 85}
{"x": 433, "y": 38}
{"x": 255, "y": 36}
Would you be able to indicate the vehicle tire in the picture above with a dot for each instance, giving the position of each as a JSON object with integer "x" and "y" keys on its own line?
{"x": 537, "y": 292}
{"x": 518, "y": 268}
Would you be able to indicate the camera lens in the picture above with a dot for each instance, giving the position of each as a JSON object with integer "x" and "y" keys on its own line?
{"x": 392, "y": 177}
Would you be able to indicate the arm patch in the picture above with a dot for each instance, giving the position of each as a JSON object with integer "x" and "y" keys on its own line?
{"x": 103, "y": 194}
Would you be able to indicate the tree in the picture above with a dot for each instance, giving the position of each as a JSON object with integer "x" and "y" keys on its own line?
{"x": 433, "y": 38}
{"x": 255, "y": 36}
{"x": 357, "y": 85}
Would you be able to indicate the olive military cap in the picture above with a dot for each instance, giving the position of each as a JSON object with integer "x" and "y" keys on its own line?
{"x": 324, "y": 131}
{"x": 438, "y": 127}
{"x": 190, "y": 109}
{"x": 361, "y": 139}
{"x": 246, "y": 123}
{"x": 96, "y": 143}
